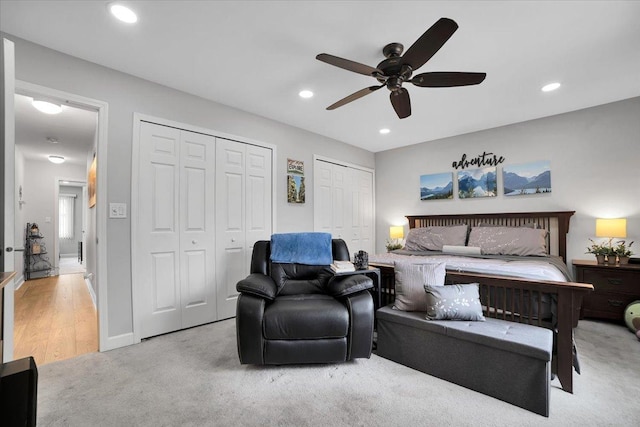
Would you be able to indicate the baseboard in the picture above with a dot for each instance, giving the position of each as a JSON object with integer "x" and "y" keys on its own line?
{"x": 87, "y": 281}
{"x": 18, "y": 282}
{"x": 124, "y": 340}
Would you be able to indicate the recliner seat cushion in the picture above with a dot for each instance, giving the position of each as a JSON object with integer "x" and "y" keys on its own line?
{"x": 309, "y": 316}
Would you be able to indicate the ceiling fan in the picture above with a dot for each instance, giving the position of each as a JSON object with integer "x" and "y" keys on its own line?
{"x": 397, "y": 69}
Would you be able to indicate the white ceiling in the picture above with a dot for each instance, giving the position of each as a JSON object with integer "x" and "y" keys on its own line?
{"x": 257, "y": 55}
{"x": 73, "y": 130}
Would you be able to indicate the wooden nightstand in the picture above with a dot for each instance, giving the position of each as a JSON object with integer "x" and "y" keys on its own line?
{"x": 615, "y": 286}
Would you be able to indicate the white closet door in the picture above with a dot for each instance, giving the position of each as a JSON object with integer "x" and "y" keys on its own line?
{"x": 231, "y": 253}
{"x": 323, "y": 197}
{"x": 341, "y": 206}
{"x": 158, "y": 231}
{"x": 361, "y": 211}
{"x": 258, "y": 198}
{"x": 244, "y": 198}
{"x": 197, "y": 229}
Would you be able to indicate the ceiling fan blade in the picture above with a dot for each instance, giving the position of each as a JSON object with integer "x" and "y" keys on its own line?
{"x": 447, "y": 79}
{"x": 356, "y": 95}
{"x": 347, "y": 64}
{"x": 429, "y": 43}
{"x": 401, "y": 102}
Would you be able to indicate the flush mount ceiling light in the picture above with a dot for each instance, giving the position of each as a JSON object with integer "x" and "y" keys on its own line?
{"x": 305, "y": 94}
{"x": 384, "y": 131}
{"x": 56, "y": 159}
{"x": 550, "y": 87}
{"x": 52, "y": 140}
{"x": 46, "y": 106}
{"x": 123, "y": 13}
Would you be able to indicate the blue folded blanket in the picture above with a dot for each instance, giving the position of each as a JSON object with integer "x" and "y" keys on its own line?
{"x": 301, "y": 248}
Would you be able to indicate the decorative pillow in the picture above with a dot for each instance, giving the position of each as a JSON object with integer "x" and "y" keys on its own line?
{"x": 411, "y": 278}
{"x": 520, "y": 241}
{"x": 454, "y": 302}
{"x": 433, "y": 238}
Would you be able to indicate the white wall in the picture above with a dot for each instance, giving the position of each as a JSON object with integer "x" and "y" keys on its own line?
{"x": 595, "y": 171}
{"x": 127, "y": 94}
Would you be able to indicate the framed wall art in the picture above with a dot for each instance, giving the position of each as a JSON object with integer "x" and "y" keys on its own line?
{"x": 476, "y": 183}
{"x": 295, "y": 181}
{"x": 527, "y": 178}
{"x": 436, "y": 186}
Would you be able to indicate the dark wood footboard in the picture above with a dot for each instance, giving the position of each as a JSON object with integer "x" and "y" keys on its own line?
{"x": 522, "y": 301}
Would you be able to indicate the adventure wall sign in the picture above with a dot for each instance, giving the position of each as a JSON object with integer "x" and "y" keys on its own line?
{"x": 484, "y": 159}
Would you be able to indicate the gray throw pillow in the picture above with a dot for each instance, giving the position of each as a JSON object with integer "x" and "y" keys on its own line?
{"x": 433, "y": 238}
{"x": 411, "y": 278}
{"x": 454, "y": 302}
{"x": 520, "y": 241}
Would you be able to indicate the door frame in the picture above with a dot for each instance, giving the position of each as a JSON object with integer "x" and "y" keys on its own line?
{"x": 102, "y": 108}
{"x": 60, "y": 181}
{"x": 138, "y": 118}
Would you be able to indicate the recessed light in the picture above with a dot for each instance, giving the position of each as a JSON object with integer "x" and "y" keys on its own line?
{"x": 305, "y": 94}
{"x": 46, "y": 106}
{"x": 550, "y": 87}
{"x": 56, "y": 159}
{"x": 123, "y": 13}
{"x": 384, "y": 131}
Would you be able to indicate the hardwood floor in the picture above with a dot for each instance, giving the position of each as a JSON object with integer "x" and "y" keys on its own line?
{"x": 54, "y": 319}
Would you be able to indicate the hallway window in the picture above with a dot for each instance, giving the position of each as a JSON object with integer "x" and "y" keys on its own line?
{"x": 66, "y": 207}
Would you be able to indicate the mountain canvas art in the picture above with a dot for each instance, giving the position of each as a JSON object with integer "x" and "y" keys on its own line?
{"x": 527, "y": 178}
{"x": 436, "y": 186}
{"x": 477, "y": 183}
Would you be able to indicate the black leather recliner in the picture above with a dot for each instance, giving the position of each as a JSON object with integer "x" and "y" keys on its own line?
{"x": 295, "y": 313}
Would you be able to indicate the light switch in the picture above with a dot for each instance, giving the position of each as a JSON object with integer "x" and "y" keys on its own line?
{"x": 117, "y": 210}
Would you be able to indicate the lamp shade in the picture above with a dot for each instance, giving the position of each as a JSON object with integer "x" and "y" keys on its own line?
{"x": 611, "y": 227}
{"x": 396, "y": 232}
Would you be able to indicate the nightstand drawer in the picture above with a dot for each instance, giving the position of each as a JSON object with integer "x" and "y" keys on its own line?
{"x": 612, "y": 280}
{"x": 605, "y": 305}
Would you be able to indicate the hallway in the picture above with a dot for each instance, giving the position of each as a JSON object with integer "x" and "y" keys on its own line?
{"x": 55, "y": 319}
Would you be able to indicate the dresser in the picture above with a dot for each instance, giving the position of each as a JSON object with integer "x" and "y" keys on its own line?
{"x": 615, "y": 286}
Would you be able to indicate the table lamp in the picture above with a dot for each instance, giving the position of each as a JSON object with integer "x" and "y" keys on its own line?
{"x": 611, "y": 228}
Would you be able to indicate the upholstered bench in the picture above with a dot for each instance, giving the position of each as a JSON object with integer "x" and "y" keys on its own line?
{"x": 506, "y": 360}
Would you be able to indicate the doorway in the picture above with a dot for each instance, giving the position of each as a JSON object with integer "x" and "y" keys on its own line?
{"x": 68, "y": 301}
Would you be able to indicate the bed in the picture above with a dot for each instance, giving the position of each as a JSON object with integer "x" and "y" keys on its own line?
{"x": 511, "y": 287}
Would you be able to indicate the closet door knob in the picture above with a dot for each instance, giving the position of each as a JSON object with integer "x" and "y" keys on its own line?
{"x": 194, "y": 242}
{"x": 233, "y": 240}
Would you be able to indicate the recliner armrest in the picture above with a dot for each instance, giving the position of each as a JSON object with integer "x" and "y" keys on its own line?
{"x": 340, "y": 286}
{"x": 259, "y": 285}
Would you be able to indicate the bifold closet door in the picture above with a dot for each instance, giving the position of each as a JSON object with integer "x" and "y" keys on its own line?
{"x": 244, "y": 214}
{"x": 176, "y": 249}
{"x": 343, "y": 204}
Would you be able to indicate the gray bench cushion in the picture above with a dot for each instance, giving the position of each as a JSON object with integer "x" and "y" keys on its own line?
{"x": 513, "y": 337}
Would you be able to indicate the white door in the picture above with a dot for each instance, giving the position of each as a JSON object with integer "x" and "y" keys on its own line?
{"x": 243, "y": 197}
{"x": 175, "y": 230}
{"x": 361, "y": 212}
{"x": 7, "y": 148}
{"x": 323, "y": 196}
{"x": 258, "y": 198}
{"x": 197, "y": 229}
{"x": 343, "y": 204}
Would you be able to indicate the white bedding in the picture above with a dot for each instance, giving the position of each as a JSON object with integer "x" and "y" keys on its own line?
{"x": 533, "y": 269}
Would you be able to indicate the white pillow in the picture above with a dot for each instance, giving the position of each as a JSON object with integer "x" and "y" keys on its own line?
{"x": 411, "y": 278}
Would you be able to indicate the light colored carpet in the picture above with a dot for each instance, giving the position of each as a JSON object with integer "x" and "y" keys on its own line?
{"x": 193, "y": 378}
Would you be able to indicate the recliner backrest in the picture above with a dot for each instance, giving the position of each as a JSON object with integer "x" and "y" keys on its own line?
{"x": 292, "y": 279}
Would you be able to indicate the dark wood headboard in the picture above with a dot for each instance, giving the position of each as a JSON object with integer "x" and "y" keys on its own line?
{"x": 556, "y": 223}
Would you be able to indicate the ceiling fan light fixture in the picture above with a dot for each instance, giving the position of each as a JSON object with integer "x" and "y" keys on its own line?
{"x": 46, "y": 107}
{"x": 56, "y": 159}
{"x": 123, "y": 13}
{"x": 306, "y": 94}
{"x": 550, "y": 87}
{"x": 384, "y": 131}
